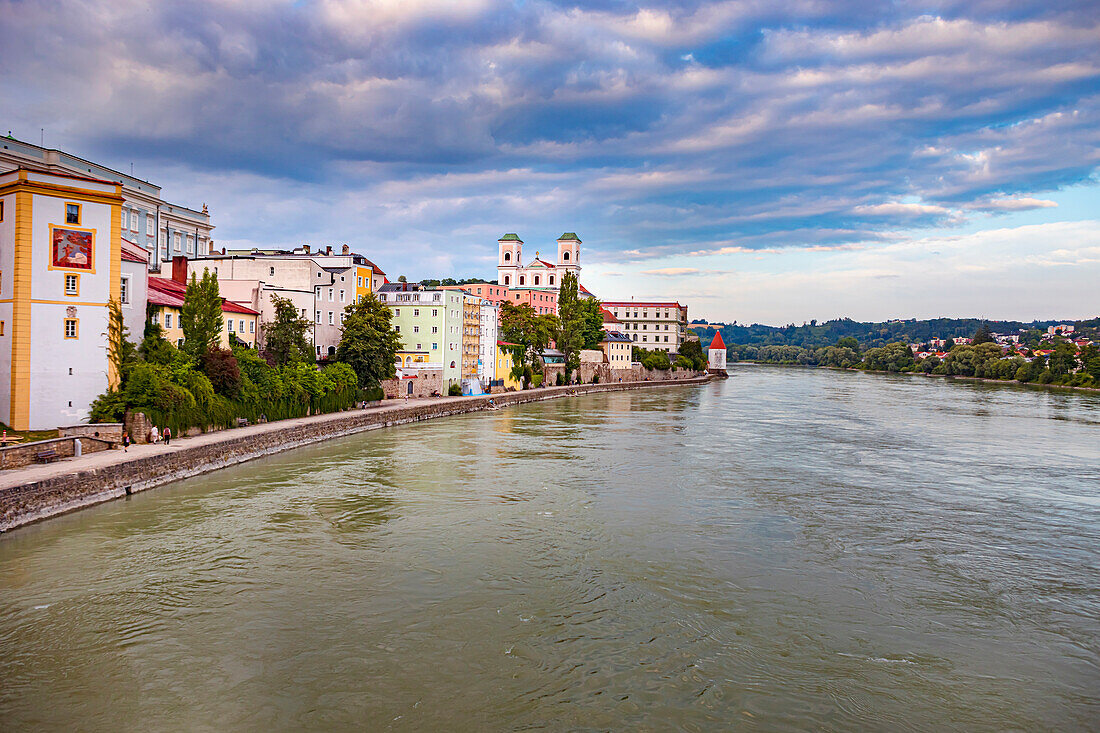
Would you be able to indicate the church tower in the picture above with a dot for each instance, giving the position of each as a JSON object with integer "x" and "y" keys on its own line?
{"x": 569, "y": 254}
{"x": 509, "y": 256}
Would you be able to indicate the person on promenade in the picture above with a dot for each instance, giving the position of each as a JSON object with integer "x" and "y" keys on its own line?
{"x": 125, "y": 442}
{"x": 154, "y": 435}
{"x": 167, "y": 435}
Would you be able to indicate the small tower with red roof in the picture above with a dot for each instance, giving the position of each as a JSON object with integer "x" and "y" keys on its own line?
{"x": 716, "y": 355}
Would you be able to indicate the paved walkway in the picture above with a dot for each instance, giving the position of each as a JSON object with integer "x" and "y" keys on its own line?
{"x": 28, "y": 474}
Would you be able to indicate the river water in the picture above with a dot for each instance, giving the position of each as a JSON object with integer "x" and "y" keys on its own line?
{"x": 786, "y": 550}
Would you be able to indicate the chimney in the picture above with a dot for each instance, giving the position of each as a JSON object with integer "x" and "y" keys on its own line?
{"x": 306, "y": 248}
{"x": 328, "y": 250}
{"x": 179, "y": 269}
{"x": 345, "y": 250}
{"x": 223, "y": 250}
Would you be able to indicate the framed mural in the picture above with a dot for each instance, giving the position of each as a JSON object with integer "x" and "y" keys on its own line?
{"x": 72, "y": 249}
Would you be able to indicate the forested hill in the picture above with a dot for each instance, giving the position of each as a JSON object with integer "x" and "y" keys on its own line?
{"x": 813, "y": 334}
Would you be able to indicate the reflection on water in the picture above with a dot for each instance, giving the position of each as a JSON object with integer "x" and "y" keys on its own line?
{"x": 787, "y": 550}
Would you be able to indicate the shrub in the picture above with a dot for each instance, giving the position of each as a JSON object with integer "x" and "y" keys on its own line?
{"x": 108, "y": 407}
{"x": 560, "y": 380}
{"x": 454, "y": 390}
{"x": 221, "y": 368}
{"x": 595, "y": 378}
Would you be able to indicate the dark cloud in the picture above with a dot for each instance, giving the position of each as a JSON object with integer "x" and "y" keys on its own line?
{"x": 673, "y": 128}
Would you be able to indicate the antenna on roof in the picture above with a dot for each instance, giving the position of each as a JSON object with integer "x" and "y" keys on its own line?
{"x": 42, "y": 137}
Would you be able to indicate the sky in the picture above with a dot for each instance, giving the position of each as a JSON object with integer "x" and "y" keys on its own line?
{"x": 769, "y": 161}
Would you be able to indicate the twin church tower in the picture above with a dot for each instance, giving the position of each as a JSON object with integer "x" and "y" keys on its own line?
{"x": 539, "y": 274}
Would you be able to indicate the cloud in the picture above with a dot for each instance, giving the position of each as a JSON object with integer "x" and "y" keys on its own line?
{"x": 417, "y": 129}
{"x": 672, "y": 271}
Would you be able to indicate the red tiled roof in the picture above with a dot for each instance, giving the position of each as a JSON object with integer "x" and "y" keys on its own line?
{"x": 631, "y": 304}
{"x": 165, "y": 292}
{"x": 608, "y": 317}
{"x": 718, "y": 343}
{"x": 229, "y": 306}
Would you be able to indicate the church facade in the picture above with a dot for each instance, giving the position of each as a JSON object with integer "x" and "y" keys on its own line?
{"x": 539, "y": 274}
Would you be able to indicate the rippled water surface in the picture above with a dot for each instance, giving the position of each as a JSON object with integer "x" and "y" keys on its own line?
{"x": 787, "y": 550}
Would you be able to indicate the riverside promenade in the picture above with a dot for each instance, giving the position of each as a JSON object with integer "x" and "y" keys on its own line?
{"x": 33, "y": 493}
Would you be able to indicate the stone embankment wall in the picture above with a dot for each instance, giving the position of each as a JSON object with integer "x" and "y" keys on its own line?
{"x": 30, "y": 502}
{"x": 15, "y": 456}
{"x": 608, "y": 375}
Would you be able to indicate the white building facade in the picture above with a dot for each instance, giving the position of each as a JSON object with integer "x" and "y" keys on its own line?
{"x": 660, "y": 326}
{"x": 539, "y": 274}
{"x": 60, "y": 266}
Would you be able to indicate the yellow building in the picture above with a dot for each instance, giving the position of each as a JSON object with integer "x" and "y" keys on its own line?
{"x": 502, "y": 372}
{"x": 60, "y": 266}
{"x": 166, "y": 304}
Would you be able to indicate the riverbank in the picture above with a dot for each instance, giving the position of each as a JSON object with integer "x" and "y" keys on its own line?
{"x": 35, "y": 493}
{"x": 960, "y": 377}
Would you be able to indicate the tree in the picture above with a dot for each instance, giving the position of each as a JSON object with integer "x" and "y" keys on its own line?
{"x": 573, "y": 324}
{"x": 121, "y": 352}
{"x": 201, "y": 315}
{"x": 1064, "y": 359}
{"x": 369, "y": 344}
{"x": 285, "y": 338}
{"x": 594, "y": 333}
{"x": 530, "y": 333}
{"x": 849, "y": 342}
{"x": 982, "y": 336}
{"x": 220, "y": 367}
{"x": 693, "y": 352}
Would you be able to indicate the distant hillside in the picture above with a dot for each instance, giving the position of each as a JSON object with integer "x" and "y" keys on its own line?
{"x": 813, "y": 334}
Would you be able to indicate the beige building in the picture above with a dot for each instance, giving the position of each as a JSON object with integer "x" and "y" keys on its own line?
{"x": 652, "y": 325}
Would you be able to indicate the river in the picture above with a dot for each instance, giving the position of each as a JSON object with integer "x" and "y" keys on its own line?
{"x": 789, "y": 549}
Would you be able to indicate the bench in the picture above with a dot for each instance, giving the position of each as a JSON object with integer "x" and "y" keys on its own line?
{"x": 242, "y": 422}
{"x": 45, "y": 456}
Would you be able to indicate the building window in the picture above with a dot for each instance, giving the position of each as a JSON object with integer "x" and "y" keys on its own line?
{"x": 341, "y": 296}
{"x": 167, "y": 320}
{"x": 318, "y": 317}
{"x": 177, "y": 241}
{"x": 521, "y": 279}
{"x": 416, "y": 311}
{"x": 133, "y": 221}
{"x": 156, "y": 318}
{"x": 229, "y": 324}
{"x": 72, "y": 213}
{"x": 331, "y": 295}
{"x": 150, "y": 225}
{"x": 318, "y": 293}
{"x": 435, "y": 329}
{"x": 507, "y": 256}
{"x": 330, "y": 320}
{"x": 435, "y": 312}
{"x": 71, "y": 328}
{"x": 536, "y": 279}
{"x": 1, "y": 210}
{"x": 397, "y": 329}
{"x": 252, "y": 327}
{"x": 551, "y": 279}
{"x": 72, "y": 284}
{"x": 397, "y": 311}
{"x": 190, "y": 244}
{"x": 416, "y": 329}
{"x": 124, "y": 291}
{"x": 435, "y": 345}
{"x": 271, "y": 270}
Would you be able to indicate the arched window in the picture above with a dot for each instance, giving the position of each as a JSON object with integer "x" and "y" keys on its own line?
{"x": 452, "y": 365}
{"x": 507, "y": 256}
{"x": 332, "y": 351}
{"x": 536, "y": 279}
{"x": 565, "y": 256}
{"x": 521, "y": 279}
{"x": 551, "y": 279}
{"x": 507, "y": 280}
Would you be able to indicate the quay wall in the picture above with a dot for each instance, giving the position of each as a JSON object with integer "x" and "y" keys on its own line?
{"x": 37, "y": 500}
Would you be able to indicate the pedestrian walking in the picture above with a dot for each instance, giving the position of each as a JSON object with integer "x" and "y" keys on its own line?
{"x": 125, "y": 442}
{"x": 167, "y": 435}
{"x": 154, "y": 435}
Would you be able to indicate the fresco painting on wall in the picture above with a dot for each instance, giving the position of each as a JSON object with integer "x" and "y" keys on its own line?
{"x": 72, "y": 249}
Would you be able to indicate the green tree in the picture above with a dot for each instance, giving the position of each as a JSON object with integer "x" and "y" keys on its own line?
{"x": 201, "y": 315}
{"x": 572, "y": 323}
{"x": 594, "y": 333}
{"x": 849, "y": 342}
{"x": 285, "y": 337}
{"x": 1063, "y": 360}
{"x": 693, "y": 352}
{"x": 530, "y": 333}
{"x": 982, "y": 336}
{"x": 369, "y": 344}
{"x": 121, "y": 352}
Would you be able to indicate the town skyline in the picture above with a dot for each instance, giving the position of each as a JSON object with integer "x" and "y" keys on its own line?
{"x": 780, "y": 164}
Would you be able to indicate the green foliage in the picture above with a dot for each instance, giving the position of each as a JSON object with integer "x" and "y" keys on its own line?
{"x": 285, "y": 337}
{"x": 650, "y": 360}
{"x": 982, "y": 336}
{"x": 369, "y": 344}
{"x": 121, "y": 352}
{"x": 531, "y": 333}
{"x": 895, "y": 357}
{"x": 454, "y": 390}
{"x": 201, "y": 315}
{"x": 572, "y": 325}
{"x": 849, "y": 342}
{"x": 693, "y": 352}
{"x": 108, "y": 407}
{"x": 560, "y": 380}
